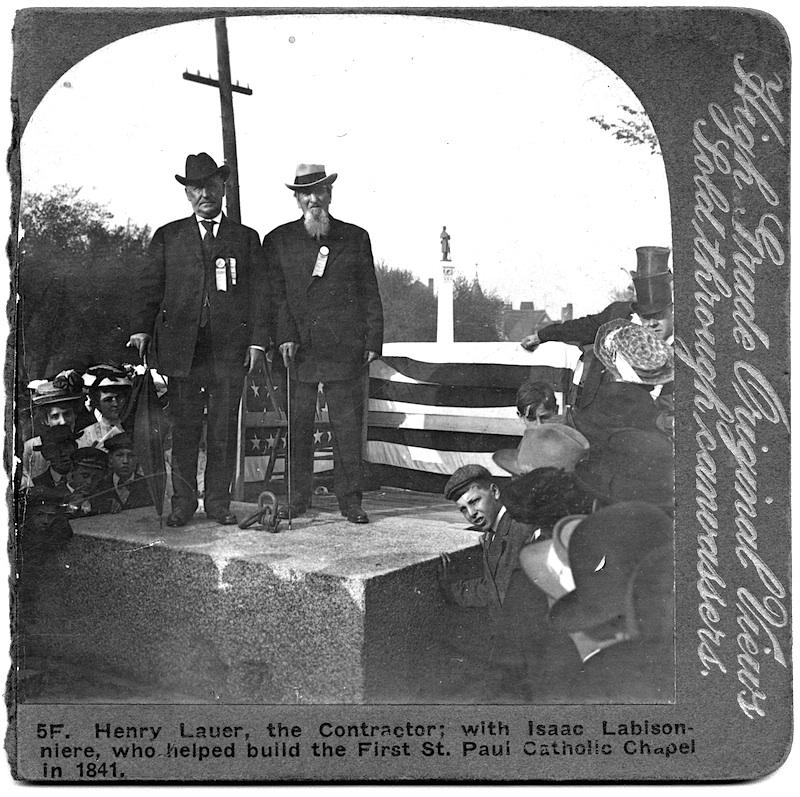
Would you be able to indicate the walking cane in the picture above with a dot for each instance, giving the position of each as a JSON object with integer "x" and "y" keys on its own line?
{"x": 289, "y": 445}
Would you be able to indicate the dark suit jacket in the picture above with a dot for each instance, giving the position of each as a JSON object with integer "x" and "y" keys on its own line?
{"x": 500, "y": 561}
{"x": 172, "y": 290}
{"x": 335, "y": 317}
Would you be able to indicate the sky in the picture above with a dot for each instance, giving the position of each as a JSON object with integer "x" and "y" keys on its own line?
{"x": 428, "y": 122}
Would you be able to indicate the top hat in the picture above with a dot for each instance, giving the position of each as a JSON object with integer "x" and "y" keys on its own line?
{"x": 106, "y": 375}
{"x": 310, "y": 175}
{"x": 44, "y": 392}
{"x": 551, "y": 445}
{"x": 604, "y": 551}
{"x": 202, "y": 167}
{"x": 653, "y": 294}
{"x": 54, "y": 436}
{"x": 457, "y": 484}
{"x": 651, "y": 260}
{"x": 632, "y": 465}
{"x": 632, "y": 353}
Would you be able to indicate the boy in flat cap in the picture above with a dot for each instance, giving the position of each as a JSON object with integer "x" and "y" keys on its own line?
{"x": 204, "y": 316}
{"x": 527, "y": 660}
{"x": 125, "y": 483}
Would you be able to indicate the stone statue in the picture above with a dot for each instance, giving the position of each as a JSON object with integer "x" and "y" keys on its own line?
{"x": 445, "y": 237}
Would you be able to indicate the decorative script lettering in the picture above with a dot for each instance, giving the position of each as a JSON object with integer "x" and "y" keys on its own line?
{"x": 739, "y": 230}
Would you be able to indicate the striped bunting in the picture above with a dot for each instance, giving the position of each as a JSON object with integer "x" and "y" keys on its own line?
{"x": 436, "y": 407}
{"x": 432, "y": 408}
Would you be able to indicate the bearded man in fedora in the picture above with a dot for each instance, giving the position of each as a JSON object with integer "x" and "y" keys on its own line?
{"x": 329, "y": 329}
{"x": 204, "y": 317}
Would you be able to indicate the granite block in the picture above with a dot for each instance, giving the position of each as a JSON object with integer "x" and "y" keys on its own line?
{"x": 326, "y": 612}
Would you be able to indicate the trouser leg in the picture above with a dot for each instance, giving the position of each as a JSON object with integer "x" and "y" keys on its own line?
{"x": 346, "y": 411}
{"x": 223, "y": 404}
{"x": 301, "y": 433}
{"x": 186, "y": 405}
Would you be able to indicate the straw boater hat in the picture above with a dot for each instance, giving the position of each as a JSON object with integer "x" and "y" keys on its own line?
{"x": 44, "y": 392}
{"x": 604, "y": 551}
{"x": 549, "y": 445}
{"x": 310, "y": 175}
{"x": 632, "y": 353}
{"x": 200, "y": 168}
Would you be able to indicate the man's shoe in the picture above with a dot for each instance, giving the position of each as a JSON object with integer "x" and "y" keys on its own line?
{"x": 355, "y": 514}
{"x": 177, "y": 518}
{"x": 223, "y": 518}
{"x": 286, "y": 511}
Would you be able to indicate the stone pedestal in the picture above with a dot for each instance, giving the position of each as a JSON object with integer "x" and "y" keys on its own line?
{"x": 328, "y": 612}
{"x": 444, "y": 315}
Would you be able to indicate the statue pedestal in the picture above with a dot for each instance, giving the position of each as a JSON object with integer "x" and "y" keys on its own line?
{"x": 444, "y": 316}
{"x": 328, "y": 612}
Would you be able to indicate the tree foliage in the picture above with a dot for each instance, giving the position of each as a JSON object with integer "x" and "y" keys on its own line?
{"x": 409, "y": 307}
{"x": 632, "y": 127}
{"x": 477, "y": 315}
{"x": 77, "y": 281}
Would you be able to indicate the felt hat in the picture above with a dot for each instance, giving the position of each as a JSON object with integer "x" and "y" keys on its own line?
{"x": 55, "y": 436}
{"x": 604, "y": 550}
{"x": 632, "y": 465}
{"x": 632, "y": 353}
{"x": 90, "y": 457}
{"x": 458, "y": 483}
{"x": 653, "y": 294}
{"x": 616, "y": 405}
{"x": 651, "y": 260}
{"x": 106, "y": 375}
{"x": 201, "y": 167}
{"x": 44, "y": 392}
{"x": 546, "y": 563}
{"x": 310, "y": 175}
{"x": 552, "y": 445}
{"x": 118, "y": 441}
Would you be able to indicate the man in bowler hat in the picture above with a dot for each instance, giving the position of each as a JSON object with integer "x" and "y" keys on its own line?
{"x": 204, "y": 315}
{"x": 329, "y": 329}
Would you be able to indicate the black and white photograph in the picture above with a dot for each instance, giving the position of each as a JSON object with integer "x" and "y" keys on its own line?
{"x": 399, "y": 394}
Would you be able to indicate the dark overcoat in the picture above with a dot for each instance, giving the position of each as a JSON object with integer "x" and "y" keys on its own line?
{"x": 334, "y": 317}
{"x": 172, "y": 291}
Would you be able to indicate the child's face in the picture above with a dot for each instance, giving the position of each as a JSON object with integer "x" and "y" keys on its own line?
{"x": 83, "y": 479}
{"x": 122, "y": 462}
{"x": 59, "y": 456}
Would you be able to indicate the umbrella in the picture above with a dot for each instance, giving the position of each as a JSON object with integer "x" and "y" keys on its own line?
{"x": 149, "y": 431}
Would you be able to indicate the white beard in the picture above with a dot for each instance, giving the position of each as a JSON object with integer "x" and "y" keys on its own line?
{"x": 317, "y": 222}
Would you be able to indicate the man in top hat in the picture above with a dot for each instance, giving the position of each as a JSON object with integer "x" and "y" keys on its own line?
{"x": 652, "y": 308}
{"x": 526, "y": 660}
{"x": 204, "y": 319}
{"x": 329, "y": 329}
{"x": 55, "y": 403}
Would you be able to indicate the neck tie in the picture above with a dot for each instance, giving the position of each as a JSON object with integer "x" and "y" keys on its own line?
{"x": 208, "y": 241}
